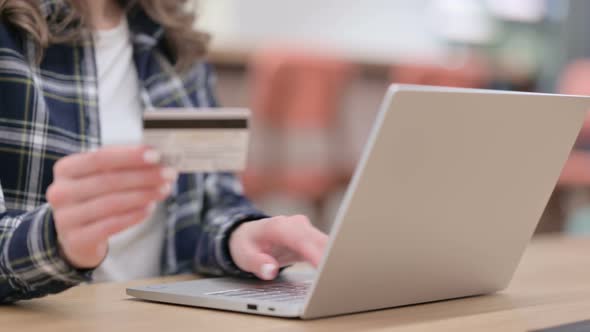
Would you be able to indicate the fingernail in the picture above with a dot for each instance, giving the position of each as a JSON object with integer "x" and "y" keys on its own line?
{"x": 151, "y": 208}
{"x": 152, "y": 157}
{"x": 169, "y": 174}
{"x": 166, "y": 189}
{"x": 268, "y": 271}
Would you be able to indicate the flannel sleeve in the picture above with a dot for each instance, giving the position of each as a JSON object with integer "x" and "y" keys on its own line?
{"x": 30, "y": 263}
{"x": 224, "y": 209}
{"x": 217, "y": 198}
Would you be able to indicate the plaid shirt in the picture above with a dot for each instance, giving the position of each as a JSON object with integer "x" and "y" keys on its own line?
{"x": 49, "y": 111}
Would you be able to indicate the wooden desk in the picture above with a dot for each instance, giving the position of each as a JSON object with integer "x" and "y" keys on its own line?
{"x": 552, "y": 287}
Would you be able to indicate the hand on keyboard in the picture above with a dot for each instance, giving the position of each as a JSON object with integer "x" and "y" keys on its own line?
{"x": 262, "y": 246}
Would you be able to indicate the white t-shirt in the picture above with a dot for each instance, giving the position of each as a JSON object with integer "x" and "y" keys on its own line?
{"x": 134, "y": 253}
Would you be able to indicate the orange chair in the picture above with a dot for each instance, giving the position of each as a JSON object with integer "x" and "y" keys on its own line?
{"x": 297, "y": 94}
{"x": 298, "y": 90}
{"x": 575, "y": 79}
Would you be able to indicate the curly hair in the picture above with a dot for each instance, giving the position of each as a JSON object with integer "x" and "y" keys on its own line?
{"x": 186, "y": 44}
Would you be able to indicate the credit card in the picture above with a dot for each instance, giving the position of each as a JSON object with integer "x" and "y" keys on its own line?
{"x": 199, "y": 140}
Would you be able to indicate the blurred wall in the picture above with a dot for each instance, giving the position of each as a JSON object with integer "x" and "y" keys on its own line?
{"x": 577, "y": 29}
{"x": 372, "y": 30}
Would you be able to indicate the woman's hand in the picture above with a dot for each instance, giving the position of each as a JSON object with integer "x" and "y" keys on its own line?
{"x": 262, "y": 246}
{"x": 98, "y": 194}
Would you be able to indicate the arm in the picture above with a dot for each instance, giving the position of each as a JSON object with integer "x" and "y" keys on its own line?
{"x": 261, "y": 249}
{"x": 233, "y": 237}
{"x": 93, "y": 196}
{"x": 213, "y": 201}
{"x": 30, "y": 263}
{"x": 218, "y": 199}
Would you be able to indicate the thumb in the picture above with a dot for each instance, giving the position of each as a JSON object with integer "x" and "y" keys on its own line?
{"x": 267, "y": 268}
{"x": 259, "y": 263}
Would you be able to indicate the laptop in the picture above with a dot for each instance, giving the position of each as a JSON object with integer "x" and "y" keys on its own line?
{"x": 442, "y": 205}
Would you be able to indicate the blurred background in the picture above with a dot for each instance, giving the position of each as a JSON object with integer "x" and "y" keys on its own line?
{"x": 314, "y": 74}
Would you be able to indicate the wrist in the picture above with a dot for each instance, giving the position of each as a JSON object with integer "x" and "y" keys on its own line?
{"x": 81, "y": 263}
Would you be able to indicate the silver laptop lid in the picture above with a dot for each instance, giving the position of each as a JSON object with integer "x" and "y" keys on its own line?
{"x": 448, "y": 193}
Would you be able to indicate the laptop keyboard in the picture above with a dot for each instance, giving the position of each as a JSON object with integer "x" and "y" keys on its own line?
{"x": 279, "y": 292}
